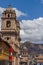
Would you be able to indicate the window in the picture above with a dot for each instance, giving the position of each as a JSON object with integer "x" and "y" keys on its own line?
{"x": 8, "y": 38}
{"x": 8, "y": 15}
{"x": 8, "y": 23}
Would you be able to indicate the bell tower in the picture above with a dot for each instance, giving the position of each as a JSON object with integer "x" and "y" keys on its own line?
{"x": 8, "y": 20}
{"x": 10, "y": 28}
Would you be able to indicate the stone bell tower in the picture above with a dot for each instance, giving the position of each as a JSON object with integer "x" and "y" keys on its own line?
{"x": 10, "y": 28}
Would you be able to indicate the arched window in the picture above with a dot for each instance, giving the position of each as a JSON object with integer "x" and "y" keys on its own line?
{"x": 8, "y": 23}
{"x": 8, "y": 38}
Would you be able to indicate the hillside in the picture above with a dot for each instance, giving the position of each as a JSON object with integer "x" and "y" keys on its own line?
{"x": 32, "y": 48}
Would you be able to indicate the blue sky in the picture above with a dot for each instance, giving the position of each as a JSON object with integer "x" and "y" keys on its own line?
{"x": 33, "y": 8}
{"x": 30, "y": 15}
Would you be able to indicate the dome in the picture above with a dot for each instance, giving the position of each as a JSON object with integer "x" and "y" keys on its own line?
{"x": 9, "y": 8}
{"x": 25, "y": 48}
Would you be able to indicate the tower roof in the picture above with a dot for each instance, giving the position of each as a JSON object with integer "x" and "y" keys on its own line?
{"x": 9, "y": 8}
{"x": 9, "y": 13}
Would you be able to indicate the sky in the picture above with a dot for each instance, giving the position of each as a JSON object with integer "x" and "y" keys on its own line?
{"x": 30, "y": 15}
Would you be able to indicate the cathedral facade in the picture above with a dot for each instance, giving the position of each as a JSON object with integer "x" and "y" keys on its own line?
{"x": 10, "y": 32}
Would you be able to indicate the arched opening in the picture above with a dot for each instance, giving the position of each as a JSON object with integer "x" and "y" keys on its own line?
{"x": 8, "y": 23}
{"x": 8, "y": 15}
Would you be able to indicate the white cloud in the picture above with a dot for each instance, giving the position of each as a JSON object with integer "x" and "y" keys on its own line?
{"x": 19, "y": 13}
{"x": 1, "y": 9}
{"x": 32, "y": 30}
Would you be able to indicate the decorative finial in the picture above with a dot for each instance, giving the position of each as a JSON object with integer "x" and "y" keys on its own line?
{"x": 9, "y": 6}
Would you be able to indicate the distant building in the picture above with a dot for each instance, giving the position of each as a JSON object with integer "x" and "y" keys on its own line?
{"x": 31, "y": 52}
{"x": 10, "y": 32}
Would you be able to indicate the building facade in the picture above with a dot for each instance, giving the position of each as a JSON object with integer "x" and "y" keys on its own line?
{"x": 4, "y": 52}
{"x": 10, "y": 32}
